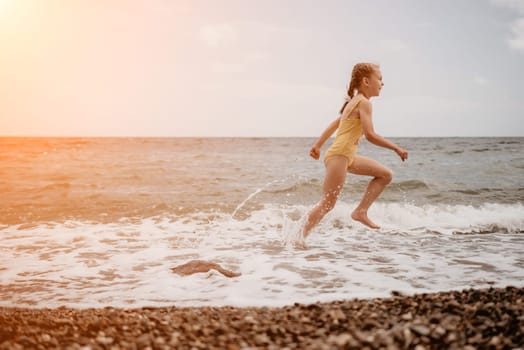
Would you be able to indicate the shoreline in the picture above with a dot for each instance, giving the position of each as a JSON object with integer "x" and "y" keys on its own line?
{"x": 469, "y": 319}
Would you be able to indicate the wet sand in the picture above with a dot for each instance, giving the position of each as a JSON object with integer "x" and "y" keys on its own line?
{"x": 470, "y": 319}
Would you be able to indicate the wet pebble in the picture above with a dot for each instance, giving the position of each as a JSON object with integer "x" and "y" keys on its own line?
{"x": 470, "y": 319}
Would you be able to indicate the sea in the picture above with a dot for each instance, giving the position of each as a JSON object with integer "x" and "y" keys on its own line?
{"x": 96, "y": 222}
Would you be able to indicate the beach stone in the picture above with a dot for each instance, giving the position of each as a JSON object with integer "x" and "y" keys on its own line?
{"x": 342, "y": 340}
{"x": 450, "y": 322}
{"x": 369, "y": 325}
{"x": 143, "y": 341}
{"x": 104, "y": 340}
{"x": 495, "y": 341}
{"x": 397, "y": 293}
{"x": 249, "y": 319}
{"x": 420, "y": 329}
{"x": 477, "y": 338}
{"x": 407, "y": 316}
{"x": 407, "y": 337}
{"x": 438, "y": 332}
{"x": 452, "y": 337}
{"x": 262, "y": 339}
{"x": 305, "y": 319}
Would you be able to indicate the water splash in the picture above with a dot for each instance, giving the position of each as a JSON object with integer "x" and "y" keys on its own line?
{"x": 254, "y": 193}
{"x": 293, "y": 232}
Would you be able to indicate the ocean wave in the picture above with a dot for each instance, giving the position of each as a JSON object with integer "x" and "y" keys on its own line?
{"x": 490, "y": 228}
{"x": 408, "y": 185}
{"x": 307, "y": 186}
{"x": 299, "y": 186}
{"x": 408, "y": 218}
{"x": 452, "y": 219}
{"x": 470, "y": 192}
{"x": 393, "y": 217}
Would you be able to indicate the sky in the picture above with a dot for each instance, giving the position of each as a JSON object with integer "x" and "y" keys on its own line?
{"x": 253, "y": 68}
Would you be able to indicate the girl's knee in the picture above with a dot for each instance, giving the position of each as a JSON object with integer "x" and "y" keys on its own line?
{"x": 387, "y": 176}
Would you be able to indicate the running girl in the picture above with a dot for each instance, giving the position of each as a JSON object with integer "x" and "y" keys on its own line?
{"x": 354, "y": 121}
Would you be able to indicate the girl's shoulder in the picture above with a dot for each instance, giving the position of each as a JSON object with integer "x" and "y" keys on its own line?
{"x": 353, "y": 106}
{"x": 358, "y": 101}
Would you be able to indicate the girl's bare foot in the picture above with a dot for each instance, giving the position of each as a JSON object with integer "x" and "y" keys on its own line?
{"x": 300, "y": 242}
{"x": 362, "y": 216}
{"x": 301, "y": 245}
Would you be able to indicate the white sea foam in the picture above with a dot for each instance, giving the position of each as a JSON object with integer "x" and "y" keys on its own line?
{"x": 127, "y": 263}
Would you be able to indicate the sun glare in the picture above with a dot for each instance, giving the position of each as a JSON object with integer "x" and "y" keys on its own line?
{"x": 4, "y": 4}
{"x": 6, "y": 9}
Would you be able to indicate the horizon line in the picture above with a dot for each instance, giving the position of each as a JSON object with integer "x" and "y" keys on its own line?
{"x": 240, "y": 137}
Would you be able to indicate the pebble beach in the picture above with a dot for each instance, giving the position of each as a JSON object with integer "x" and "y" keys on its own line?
{"x": 470, "y": 319}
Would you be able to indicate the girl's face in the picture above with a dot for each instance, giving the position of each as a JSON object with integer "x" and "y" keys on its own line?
{"x": 374, "y": 82}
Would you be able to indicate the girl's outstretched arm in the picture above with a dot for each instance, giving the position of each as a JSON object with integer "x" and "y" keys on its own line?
{"x": 372, "y": 136}
{"x": 315, "y": 150}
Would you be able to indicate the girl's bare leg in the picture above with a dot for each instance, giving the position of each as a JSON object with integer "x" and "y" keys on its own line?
{"x": 336, "y": 169}
{"x": 381, "y": 178}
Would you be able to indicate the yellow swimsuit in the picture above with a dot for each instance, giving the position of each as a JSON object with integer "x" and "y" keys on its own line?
{"x": 348, "y": 137}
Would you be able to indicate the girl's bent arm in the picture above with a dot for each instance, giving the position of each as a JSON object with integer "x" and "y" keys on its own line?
{"x": 372, "y": 136}
{"x": 327, "y": 133}
{"x": 315, "y": 150}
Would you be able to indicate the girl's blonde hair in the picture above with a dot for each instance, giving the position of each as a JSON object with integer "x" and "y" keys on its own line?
{"x": 360, "y": 71}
